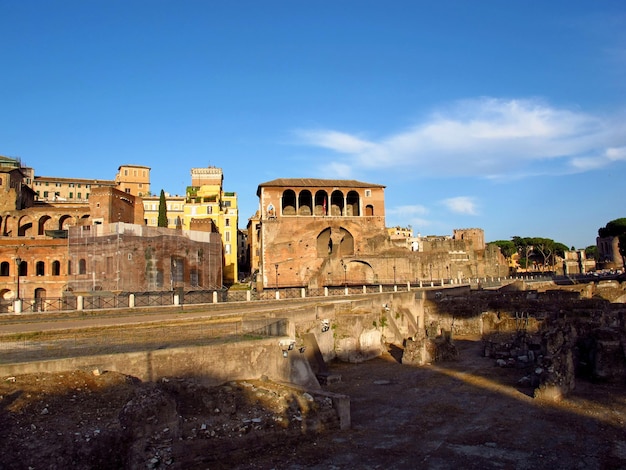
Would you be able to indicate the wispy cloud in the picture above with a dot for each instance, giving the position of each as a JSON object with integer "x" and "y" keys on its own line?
{"x": 413, "y": 215}
{"x": 412, "y": 210}
{"x": 486, "y": 137}
{"x": 461, "y": 205}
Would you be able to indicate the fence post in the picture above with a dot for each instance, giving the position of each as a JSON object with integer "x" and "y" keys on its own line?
{"x": 17, "y": 306}
{"x": 80, "y": 303}
{"x": 303, "y": 292}
{"x": 176, "y": 299}
{"x": 365, "y": 289}
{"x": 395, "y": 288}
{"x": 277, "y": 294}
{"x": 380, "y": 288}
{"x": 248, "y": 295}
{"x": 345, "y": 290}
{"x": 131, "y": 300}
{"x": 408, "y": 286}
{"x": 214, "y": 296}
{"x": 325, "y": 291}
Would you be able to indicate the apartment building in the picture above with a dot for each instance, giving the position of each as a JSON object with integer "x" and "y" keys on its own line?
{"x": 206, "y": 199}
{"x": 57, "y": 189}
{"x": 175, "y": 206}
{"x": 133, "y": 179}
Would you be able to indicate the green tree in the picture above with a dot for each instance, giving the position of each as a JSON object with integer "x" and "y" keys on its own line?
{"x": 591, "y": 252}
{"x": 614, "y": 228}
{"x": 507, "y": 247}
{"x": 162, "y": 222}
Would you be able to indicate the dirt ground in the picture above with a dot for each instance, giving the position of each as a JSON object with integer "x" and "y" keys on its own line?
{"x": 462, "y": 414}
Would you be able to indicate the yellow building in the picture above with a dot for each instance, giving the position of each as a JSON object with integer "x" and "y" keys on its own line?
{"x": 175, "y": 206}
{"x": 206, "y": 199}
{"x": 133, "y": 179}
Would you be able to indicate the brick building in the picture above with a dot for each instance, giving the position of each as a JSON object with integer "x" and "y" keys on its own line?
{"x": 35, "y": 250}
{"x": 315, "y": 232}
{"x": 136, "y": 258}
{"x": 319, "y": 232}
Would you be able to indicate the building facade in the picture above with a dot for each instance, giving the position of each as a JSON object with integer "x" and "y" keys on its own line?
{"x": 206, "y": 199}
{"x": 77, "y": 190}
{"x": 133, "y": 179}
{"x": 135, "y": 258}
{"x": 175, "y": 206}
{"x": 317, "y": 232}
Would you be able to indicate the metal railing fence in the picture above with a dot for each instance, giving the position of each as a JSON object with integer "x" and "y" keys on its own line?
{"x": 108, "y": 300}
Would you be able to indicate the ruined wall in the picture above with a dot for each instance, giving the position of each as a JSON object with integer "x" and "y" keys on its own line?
{"x": 135, "y": 258}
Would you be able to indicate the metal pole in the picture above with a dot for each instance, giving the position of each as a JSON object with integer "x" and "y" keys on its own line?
{"x": 18, "y": 262}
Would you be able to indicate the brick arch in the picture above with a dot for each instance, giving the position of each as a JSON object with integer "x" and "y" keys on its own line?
{"x": 288, "y": 202}
{"x": 359, "y": 272}
{"x": 44, "y": 223}
{"x": 335, "y": 242}
{"x": 9, "y": 226}
{"x": 353, "y": 204}
{"x": 305, "y": 203}
{"x": 66, "y": 221}
{"x": 321, "y": 202}
{"x": 337, "y": 203}
{"x": 25, "y": 226}
{"x": 7, "y": 294}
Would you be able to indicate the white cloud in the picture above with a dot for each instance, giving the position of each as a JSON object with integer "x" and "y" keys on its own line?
{"x": 486, "y": 137}
{"x": 336, "y": 170}
{"x": 609, "y": 156}
{"x": 408, "y": 215}
{"x": 461, "y": 205}
{"x": 412, "y": 210}
{"x": 338, "y": 141}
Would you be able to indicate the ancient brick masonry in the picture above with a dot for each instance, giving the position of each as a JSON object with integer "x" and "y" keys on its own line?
{"x": 136, "y": 258}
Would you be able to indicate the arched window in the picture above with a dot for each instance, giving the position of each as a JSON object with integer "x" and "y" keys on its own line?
{"x": 24, "y": 227}
{"x": 321, "y": 203}
{"x": 4, "y": 268}
{"x": 40, "y": 268}
{"x": 56, "y": 268}
{"x": 82, "y": 266}
{"x": 336, "y": 203}
{"x": 353, "y": 204}
{"x": 289, "y": 202}
{"x": 42, "y": 224}
{"x": 369, "y": 210}
{"x": 65, "y": 221}
{"x": 305, "y": 203}
{"x": 23, "y": 268}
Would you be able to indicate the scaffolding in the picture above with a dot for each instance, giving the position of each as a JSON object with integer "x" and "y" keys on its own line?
{"x": 123, "y": 257}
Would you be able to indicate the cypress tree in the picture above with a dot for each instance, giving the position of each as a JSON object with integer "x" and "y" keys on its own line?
{"x": 162, "y": 210}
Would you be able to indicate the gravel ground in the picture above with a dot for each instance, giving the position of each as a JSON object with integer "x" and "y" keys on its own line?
{"x": 462, "y": 414}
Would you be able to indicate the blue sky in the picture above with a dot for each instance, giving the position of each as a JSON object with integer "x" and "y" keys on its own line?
{"x": 504, "y": 115}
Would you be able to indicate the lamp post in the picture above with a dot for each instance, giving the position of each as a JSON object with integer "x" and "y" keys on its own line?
{"x": 345, "y": 275}
{"x": 276, "y": 269}
{"x": 394, "y": 274}
{"x": 18, "y": 262}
